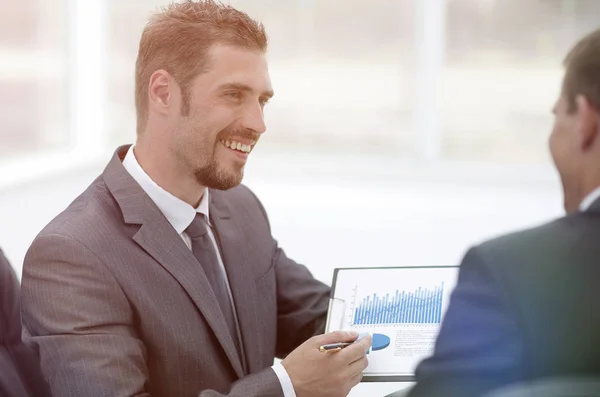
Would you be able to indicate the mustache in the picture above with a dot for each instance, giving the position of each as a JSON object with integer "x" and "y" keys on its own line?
{"x": 243, "y": 133}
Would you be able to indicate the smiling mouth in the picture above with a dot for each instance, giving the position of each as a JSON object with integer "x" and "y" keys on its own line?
{"x": 238, "y": 146}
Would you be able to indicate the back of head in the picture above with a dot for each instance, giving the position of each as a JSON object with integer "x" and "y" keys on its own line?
{"x": 178, "y": 38}
{"x": 582, "y": 75}
{"x": 575, "y": 138}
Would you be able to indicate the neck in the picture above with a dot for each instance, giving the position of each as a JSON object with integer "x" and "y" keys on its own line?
{"x": 167, "y": 173}
{"x": 587, "y": 183}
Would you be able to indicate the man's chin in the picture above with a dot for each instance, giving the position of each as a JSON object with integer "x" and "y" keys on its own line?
{"x": 223, "y": 180}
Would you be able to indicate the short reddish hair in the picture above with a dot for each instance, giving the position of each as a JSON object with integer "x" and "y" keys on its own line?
{"x": 178, "y": 38}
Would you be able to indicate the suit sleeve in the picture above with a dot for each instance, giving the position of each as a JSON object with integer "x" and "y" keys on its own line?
{"x": 76, "y": 314}
{"x": 302, "y": 303}
{"x": 23, "y": 358}
{"x": 9, "y": 297}
{"x": 478, "y": 348}
{"x": 302, "y": 300}
{"x": 261, "y": 384}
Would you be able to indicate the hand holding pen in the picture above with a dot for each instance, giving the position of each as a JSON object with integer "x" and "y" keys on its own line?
{"x": 316, "y": 374}
{"x": 335, "y": 347}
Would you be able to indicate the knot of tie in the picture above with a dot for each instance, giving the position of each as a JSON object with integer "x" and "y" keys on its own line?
{"x": 198, "y": 227}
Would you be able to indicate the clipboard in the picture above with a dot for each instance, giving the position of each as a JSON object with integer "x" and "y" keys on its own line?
{"x": 401, "y": 307}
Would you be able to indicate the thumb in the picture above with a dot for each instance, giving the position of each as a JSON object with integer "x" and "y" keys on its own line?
{"x": 336, "y": 336}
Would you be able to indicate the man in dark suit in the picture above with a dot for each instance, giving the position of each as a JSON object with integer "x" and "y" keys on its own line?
{"x": 526, "y": 306}
{"x": 163, "y": 278}
{"x": 19, "y": 368}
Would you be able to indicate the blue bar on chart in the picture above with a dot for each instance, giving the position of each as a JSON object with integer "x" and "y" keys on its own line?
{"x": 420, "y": 306}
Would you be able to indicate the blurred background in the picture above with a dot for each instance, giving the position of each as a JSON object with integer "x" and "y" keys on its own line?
{"x": 402, "y": 131}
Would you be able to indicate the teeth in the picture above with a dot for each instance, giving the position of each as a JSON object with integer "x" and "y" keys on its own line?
{"x": 237, "y": 146}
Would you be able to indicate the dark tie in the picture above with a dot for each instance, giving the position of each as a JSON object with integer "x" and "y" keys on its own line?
{"x": 205, "y": 252}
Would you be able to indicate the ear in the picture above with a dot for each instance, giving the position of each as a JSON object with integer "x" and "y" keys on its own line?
{"x": 588, "y": 123}
{"x": 159, "y": 91}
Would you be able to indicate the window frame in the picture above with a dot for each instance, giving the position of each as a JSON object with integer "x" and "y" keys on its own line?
{"x": 86, "y": 100}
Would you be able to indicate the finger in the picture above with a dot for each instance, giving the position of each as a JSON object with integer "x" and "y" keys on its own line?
{"x": 359, "y": 366}
{"x": 356, "y": 351}
{"x": 355, "y": 379}
{"x": 336, "y": 337}
{"x": 366, "y": 342}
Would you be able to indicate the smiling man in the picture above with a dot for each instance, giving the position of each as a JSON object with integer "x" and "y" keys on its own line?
{"x": 163, "y": 278}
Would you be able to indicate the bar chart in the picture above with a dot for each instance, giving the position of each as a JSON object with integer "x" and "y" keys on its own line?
{"x": 418, "y": 306}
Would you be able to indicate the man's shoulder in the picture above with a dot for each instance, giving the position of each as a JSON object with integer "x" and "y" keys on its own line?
{"x": 552, "y": 235}
{"x": 520, "y": 239}
{"x": 91, "y": 212}
{"x": 542, "y": 246}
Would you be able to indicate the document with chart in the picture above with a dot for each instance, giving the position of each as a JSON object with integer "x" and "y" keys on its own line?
{"x": 401, "y": 307}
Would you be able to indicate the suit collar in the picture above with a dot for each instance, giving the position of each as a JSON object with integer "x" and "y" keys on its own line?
{"x": 219, "y": 204}
{"x": 591, "y": 202}
{"x": 595, "y": 206}
{"x": 131, "y": 186}
{"x": 179, "y": 213}
{"x": 134, "y": 203}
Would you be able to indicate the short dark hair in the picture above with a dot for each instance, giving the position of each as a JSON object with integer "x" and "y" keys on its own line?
{"x": 582, "y": 75}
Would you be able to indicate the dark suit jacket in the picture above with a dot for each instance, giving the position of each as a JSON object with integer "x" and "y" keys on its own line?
{"x": 119, "y": 306}
{"x": 526, "y": 307}
{"x": 19, "y": 367}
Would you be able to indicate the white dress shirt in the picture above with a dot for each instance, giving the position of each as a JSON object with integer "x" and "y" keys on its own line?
{"x": 180, "y": 215}
{"x": 589, "y": 200}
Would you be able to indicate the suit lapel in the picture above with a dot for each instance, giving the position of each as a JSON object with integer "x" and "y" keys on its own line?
{"x": 158, "y": 238}
{"x": 161, "y": 241}
{"x": 241, "y": 279}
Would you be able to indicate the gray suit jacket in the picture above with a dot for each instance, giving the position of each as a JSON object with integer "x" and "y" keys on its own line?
{"x": 119, "y": 306}
{"x": 19, "y": 369}
{"x": 526, "y": 307}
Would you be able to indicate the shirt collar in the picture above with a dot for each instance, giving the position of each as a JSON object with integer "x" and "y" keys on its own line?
{"x": 590, "y": 199}
{"x": 179, "y": 213}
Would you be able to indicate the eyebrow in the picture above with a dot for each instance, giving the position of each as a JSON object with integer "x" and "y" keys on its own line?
{"x": 245, "y": 88}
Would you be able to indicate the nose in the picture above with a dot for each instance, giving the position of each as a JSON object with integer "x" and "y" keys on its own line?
{"x": 254, "y": 118}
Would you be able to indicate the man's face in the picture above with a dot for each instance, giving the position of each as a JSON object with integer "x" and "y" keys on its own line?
{"x": 564, "y": 147}
{"x": 225, "y": 119}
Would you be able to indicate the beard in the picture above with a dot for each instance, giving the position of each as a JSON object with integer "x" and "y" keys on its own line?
{"x": 216, "y": 176}
{"x": 197, "y": 150}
